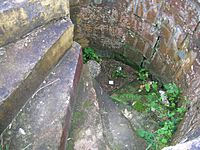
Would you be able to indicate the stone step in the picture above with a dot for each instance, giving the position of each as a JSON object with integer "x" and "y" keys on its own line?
{"x": 86, "y": 131}
{"x": 44, "y": 121}
{"x": 187, "y": 145}
{"x": 118, "y": 131}
{"x": 25, "y": 64}
{"x": 19, "y": 17}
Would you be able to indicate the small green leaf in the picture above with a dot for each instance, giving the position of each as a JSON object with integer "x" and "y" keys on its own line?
{"x": 143, "y": 74}
{"x": 155, "y": 86}
{"x": 89, "y": 54}
{"x": 139, "y": 106}
{"x": 147, "y": 87}
{"x": 164, "y": 141}
{"x": 141, "y": 133}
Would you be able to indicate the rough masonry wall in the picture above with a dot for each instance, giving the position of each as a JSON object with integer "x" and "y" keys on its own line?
{"x": 161, "y": 35}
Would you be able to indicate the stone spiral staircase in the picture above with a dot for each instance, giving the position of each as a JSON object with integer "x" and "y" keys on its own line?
{"x": 40, "y": 67}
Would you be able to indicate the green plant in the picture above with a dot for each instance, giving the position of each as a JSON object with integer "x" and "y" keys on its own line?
{"x": 169, "y": 117}
{"x": 149, "y": 99}
{"x": 143, "y": 74}
{"x": 149, "y": 137}
{"x": 126, "y": 98}
{"x": 132, "y": 100}
{"x": 147, "y": 87}
{"x": 119, "y": 73}
{"x": 173, "y": 94}
{"x": 89, "y": 54}
{"x": 139, "y": 106}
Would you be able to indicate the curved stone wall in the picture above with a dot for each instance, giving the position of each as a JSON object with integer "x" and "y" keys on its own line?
{"x": 162, "y": 36}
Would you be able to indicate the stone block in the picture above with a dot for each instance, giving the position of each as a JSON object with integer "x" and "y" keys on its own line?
{"x": 141, "y": 45}
{"x": 190, "y": 145}
{"x": 116, "y": 127}
{"x": 43, "y": 123}
{"x": 166, "y": 32}
{"x": 183, "y": 13}
{"x": 161, "y": 68}
{"x": 151, "y": 10}
{"x": 145, "y": 9}
{"x": 138, "y": 43}
{"x": 25, "y": 64}
{"x": 133, "y": 54}
{"x": 22, "y": 16}
{"x": 86, "y": 128}
{"x": 148, "y": 32}
{"x": 73, "y": 2}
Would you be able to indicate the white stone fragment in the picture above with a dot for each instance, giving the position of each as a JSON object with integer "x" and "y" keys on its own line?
{"x": 10, "y": 125}
{"x": 21, "y": 131}
{"x": 127, "y": 114}
{"x": 111, "y": 82}
{"x": 164, "y": 97}
{"x": 119, "y": 68}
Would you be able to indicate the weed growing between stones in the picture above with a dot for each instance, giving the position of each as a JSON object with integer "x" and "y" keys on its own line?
{"x": 119, "y": 73}
{"x": 165, "y": 103}
{"x": 143, "y": 74}
{"x": 89, "y": 54}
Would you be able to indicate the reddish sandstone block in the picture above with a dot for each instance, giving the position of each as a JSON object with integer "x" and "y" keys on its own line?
{"x": 151, "y": 16}
{"x": 166, "y": 32}
{"x": 152, "y": 10}
{"x": 140, "y": 9}
{"x": 131, "y": 39}
{"x": 131, "y": 53}
{"x": 139, "y": 43}
{"x": 163, "y": 67}
{"x": 183, "y": 13}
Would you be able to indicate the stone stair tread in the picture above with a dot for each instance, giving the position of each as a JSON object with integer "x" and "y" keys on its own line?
{"x": 117, "y": 129}
{"x": 19, "y": 17}
{"x": 44, "y": 121}
{"x": 25, "y": 64}
{"x": 86, "y": 129}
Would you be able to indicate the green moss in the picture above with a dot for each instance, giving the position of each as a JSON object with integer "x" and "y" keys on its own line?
{"x": 87, "y": 104}
{"x": 77, "y": 119}
{"x": 70, "y": 145}
{"x": 139, "y": 106}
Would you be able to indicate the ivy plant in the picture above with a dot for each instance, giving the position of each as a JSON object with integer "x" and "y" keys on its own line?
{"x": 89, "y": 54}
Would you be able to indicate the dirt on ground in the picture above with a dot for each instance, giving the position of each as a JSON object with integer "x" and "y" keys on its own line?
{"x": 108, "y": 67}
